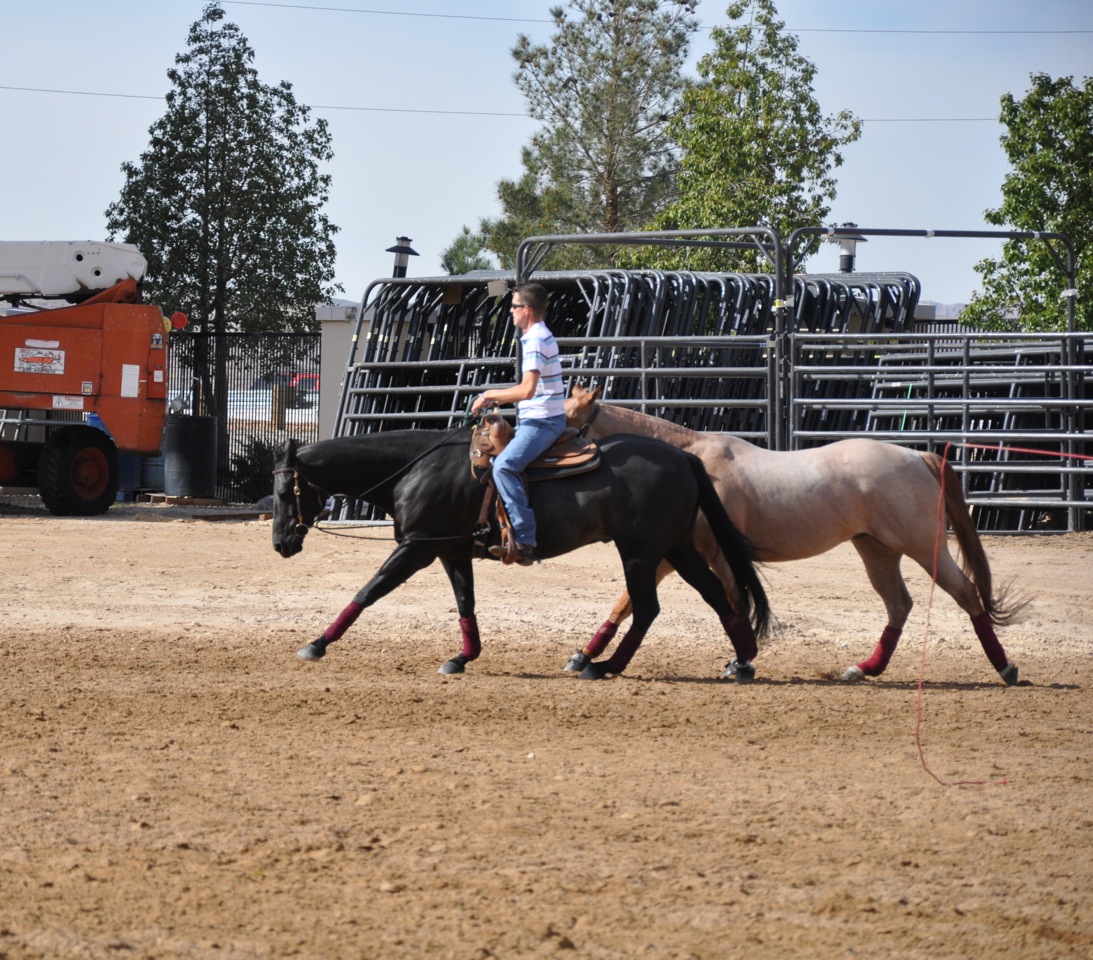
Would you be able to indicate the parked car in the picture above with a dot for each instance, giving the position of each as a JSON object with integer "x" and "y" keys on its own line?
{"x": 305, "y": 382}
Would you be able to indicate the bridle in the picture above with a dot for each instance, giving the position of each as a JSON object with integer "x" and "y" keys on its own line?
{"x": 592, "y": 416}
{"x": 302, "y": 526}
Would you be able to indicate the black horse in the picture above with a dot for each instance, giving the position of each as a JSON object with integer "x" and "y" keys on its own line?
{"x": 644, "y": 496}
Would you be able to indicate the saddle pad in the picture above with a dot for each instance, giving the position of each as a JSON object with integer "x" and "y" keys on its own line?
{"x": 570, "y": 450}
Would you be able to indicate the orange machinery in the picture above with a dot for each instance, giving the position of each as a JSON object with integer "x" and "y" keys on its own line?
{"x": 79, "y": 383}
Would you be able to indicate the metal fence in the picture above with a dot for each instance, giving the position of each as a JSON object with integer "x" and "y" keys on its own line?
{"x": 711, "y": 352}
{"x": 262, "y": 388}
{"x": 1012, "y": 408}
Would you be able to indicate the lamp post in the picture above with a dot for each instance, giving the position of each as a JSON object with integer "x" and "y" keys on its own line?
{"x": 403, "y": 252}
{"x": 849, "y": 238}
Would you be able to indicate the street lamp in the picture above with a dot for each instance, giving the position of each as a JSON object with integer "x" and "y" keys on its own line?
{"x": 849, "y": 238}
{"x": 403, "y": 252}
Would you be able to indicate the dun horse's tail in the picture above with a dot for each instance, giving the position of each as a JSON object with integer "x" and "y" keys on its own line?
{"x": 751, "y": 601}
{"x": 973, "y": 557}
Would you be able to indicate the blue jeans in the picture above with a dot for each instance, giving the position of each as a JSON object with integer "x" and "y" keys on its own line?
{"x": 532, "y": 439}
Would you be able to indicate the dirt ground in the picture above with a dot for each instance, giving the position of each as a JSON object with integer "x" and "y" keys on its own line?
{"x": 175, "y": 782}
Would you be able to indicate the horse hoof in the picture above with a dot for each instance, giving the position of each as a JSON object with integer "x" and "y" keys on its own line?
{"x": 595, "y": 671}
{"x": 854, "y": 674}
{"x": 741, "y": 672}
{"x": 577, "y": 662}
{"x": 457, "y": 664}
{"x": 1009, "y": 674}
{"x": 311, "y": 652}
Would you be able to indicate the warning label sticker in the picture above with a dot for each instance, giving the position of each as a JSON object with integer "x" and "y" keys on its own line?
{"x": 39, "y": 360}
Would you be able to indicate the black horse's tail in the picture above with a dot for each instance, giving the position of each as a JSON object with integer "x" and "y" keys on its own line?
{"x": 751, "y": 597}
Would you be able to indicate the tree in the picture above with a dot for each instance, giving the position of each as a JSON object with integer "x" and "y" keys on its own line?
{"x": 1049, "y": 142}
{"x": 757, "y": 149}
{"x": 227, "y": 201}
{"x": 604, "y": 88}
{"x": 466, "y": 253}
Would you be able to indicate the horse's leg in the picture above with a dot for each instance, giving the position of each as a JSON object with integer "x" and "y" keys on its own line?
{"x": 956, "y": 584}
{"x": 406, "y": 560}
{"x": 606, "y": 633}
{"x": 711, "y": 587}
{"x": 641, "y": 584}
{"x": 882, "y": 566}
{"x": 461, "y": 576}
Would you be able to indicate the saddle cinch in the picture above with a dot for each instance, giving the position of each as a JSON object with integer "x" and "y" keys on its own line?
{"x": 570, "y": 454}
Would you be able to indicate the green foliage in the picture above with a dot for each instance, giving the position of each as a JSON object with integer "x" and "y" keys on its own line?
{"x": 1049, "y": 144}
{"x": 466, "y": 253}
{"x": 226, "y": 203}
{"x": 605, "y": 88}
{"x": 251, "y": 476}
{"x": 757, "y": 149}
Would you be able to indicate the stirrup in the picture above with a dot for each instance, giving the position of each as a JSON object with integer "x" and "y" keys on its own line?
{"x": 521, "y": 553}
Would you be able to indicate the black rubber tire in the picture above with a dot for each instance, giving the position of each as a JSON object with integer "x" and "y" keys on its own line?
{"x": 78, "y": 472}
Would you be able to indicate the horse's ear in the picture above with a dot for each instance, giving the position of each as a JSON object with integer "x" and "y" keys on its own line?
{"x": 288, "y": 453}
{"x": 597, "y": 393}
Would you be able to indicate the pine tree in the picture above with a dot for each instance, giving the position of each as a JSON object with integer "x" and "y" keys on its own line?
{"x": 227, "y": 201}
{"x": 757, "y": 148}
{"x": 604, "y": 89}
{"x": 466, "y": 253}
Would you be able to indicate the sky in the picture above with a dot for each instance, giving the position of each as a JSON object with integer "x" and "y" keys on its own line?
{"x": 426, "y": 119}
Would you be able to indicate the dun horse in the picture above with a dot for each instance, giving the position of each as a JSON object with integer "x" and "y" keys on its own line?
{"x": 644, "y": 496}
{"x": 881, "y": 497}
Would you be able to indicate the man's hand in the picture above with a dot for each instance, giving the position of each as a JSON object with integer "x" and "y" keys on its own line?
{"x": 480, "y": 401}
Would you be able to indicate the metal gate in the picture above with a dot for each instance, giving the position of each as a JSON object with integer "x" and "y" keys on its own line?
{"x": 704, "y": 350}
{"x": 262, "y": 388}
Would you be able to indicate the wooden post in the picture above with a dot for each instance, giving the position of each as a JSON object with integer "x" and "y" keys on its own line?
{"x": 279, "y": 405}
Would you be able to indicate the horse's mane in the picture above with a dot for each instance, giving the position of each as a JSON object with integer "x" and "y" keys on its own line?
{"x": 656, "y": 427}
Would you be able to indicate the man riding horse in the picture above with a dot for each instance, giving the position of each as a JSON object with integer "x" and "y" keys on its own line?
{"x": 540, "y": 416}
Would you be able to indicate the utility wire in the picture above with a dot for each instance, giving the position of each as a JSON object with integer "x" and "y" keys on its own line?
{"x": 465, "y": 16}
{"x": 454, "y": 113}
{"x": 384, "y": 13}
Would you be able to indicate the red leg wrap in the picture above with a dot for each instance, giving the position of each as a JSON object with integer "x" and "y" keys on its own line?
{"x": 984, "y": 629}
{"x": 345, "y": 620}
{"x": 624, "y": 652}
{"x": 876, "y": 664}
{"x": 742, "y": 637}
{"x": 472, "y": 646}
{"x": 603, "y": 637}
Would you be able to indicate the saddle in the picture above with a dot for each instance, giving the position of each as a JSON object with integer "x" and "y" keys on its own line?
{"x": 569, "y": 455}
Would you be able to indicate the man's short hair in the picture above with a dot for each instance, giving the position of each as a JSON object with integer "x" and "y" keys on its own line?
{"x": 534, "y": 295}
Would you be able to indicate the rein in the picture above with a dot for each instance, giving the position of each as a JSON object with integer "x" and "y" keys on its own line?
{"x": 302, "y": 526}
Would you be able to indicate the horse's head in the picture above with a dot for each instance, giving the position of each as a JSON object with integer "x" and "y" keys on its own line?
{"x": 580, "y": 404}
{"x": 296, "y": 503}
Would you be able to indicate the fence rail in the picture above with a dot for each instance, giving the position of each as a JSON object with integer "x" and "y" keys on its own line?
{"x": 720, "y": 353}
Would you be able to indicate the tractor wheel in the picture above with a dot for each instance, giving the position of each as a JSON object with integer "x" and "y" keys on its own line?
{"x": 78, "y": 472}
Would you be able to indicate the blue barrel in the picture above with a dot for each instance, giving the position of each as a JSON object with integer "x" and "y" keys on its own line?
{"x": 189, "y": 456}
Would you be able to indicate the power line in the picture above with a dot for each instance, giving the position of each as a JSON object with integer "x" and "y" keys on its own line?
{"x": 82, "y": 93}
{"x": 384, "y": 13}
{"x": 464, "y": 16}
{"x": 142, "y": 96}
{"x": 1020, "y": 33}
{"x": 457, "y": 113}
